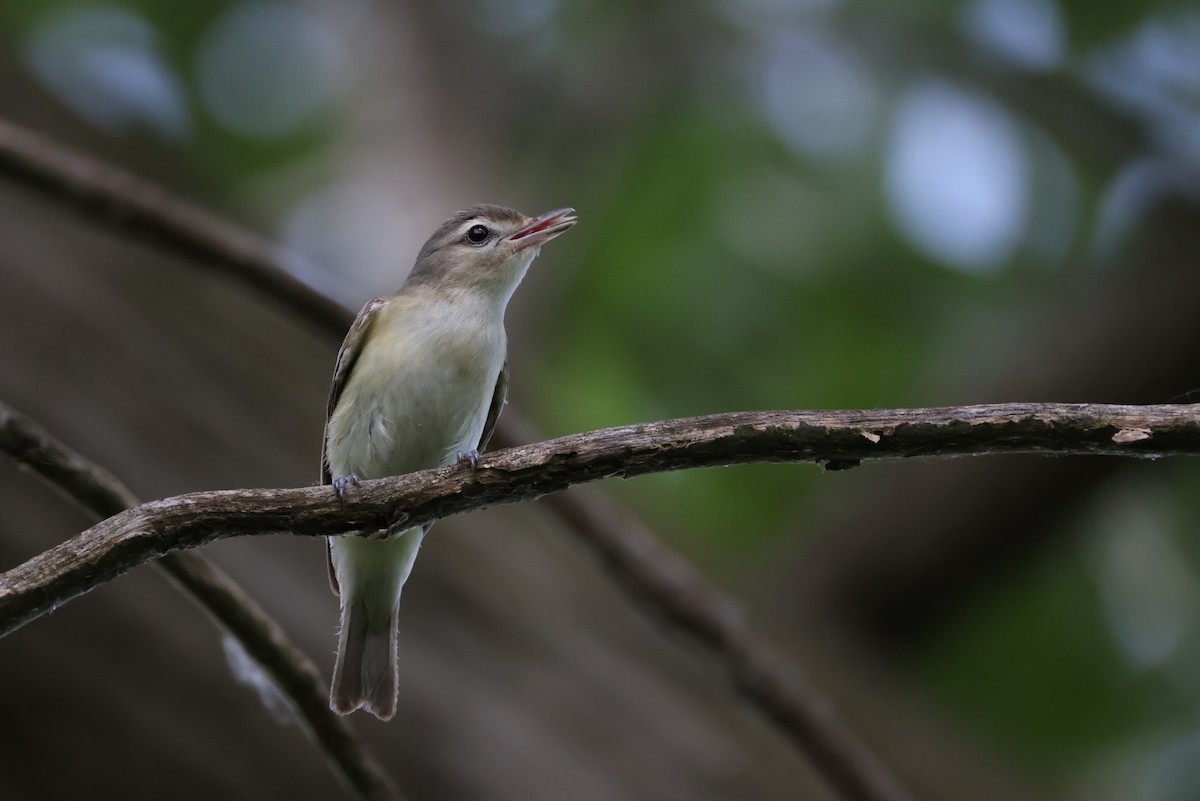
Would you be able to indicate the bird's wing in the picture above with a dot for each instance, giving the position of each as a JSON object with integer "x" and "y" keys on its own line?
{"x": 499, "y": 398}
{"x": 347, "y": 357}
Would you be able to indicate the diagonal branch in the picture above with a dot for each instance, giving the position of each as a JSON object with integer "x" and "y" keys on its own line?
{"x": 841, "y": 438}
{"x": 99, "y": 493}
{"x": 142, "y": 210}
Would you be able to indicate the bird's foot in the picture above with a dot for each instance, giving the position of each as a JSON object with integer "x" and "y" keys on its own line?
{"x": 339, "y": 485}
{"x": 469, "y": 458}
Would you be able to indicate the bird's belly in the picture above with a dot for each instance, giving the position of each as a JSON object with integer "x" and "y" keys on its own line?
{"x": 421, "y": 414}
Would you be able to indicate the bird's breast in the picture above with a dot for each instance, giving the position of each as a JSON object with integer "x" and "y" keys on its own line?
{"x": 418, "y": 395}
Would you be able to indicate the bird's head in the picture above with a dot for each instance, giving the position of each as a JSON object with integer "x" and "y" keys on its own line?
{"x": 486, "y": 247}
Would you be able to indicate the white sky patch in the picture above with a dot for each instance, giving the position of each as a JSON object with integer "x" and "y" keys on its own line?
{"x": 266, "y": 69}
{"x": 957, "y": 176}
{"x": 1028, "y": 33}
{"x": 817, "y": 95}
{"x": 358, "y": 231}
{"x": 1155, "y": 73}
{"x": 1146, "y": 590}
{"x": 103, "y": 63}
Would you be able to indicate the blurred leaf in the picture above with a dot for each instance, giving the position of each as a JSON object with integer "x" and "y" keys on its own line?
{"x": 1031, "y": 668}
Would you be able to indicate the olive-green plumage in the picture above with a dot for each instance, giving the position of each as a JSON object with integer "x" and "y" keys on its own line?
{"x": 419, "y": 382}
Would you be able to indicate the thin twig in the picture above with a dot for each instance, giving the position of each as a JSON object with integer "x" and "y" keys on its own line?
{"x": 99, "y": 493}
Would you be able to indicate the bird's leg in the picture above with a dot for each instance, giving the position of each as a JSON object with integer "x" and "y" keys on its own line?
{"x": 470, "y": 457}
{"x": 339, "y": 485}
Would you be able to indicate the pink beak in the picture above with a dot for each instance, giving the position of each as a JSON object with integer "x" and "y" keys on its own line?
{"x": 542, "y": 229}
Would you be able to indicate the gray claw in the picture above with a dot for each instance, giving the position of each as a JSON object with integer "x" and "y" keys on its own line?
{"x": 339, "y": 485}
{"x": 469, "y": 457}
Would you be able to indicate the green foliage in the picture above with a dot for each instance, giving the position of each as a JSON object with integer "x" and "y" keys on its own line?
{"x": 1031, "y": 667}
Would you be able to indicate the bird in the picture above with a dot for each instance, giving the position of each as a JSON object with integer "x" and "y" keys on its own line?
{"x": 419, "y": 382}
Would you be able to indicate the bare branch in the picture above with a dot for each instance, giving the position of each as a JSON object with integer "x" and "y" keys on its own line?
{"x": 145, "y": 211}
{"x": 98, "y": 492}
{"x": 841, "y": 438}
{"x": 521, "y": 474}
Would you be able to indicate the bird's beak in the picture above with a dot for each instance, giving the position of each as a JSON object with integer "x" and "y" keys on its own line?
{"x": 542, "y": 229}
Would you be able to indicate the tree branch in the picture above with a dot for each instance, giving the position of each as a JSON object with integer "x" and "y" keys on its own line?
{"x": 99, "y": 493}
{"x": 839, "y": 438}
{"x": 843, "y": 438}
{"x": 145, "y": 211}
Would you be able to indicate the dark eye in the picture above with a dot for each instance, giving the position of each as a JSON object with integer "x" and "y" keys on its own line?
{"x": 478, "y": 234}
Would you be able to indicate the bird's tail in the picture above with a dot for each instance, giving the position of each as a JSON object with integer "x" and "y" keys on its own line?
{"x": 370, "y": 574}
{"x": 364, "y": 674}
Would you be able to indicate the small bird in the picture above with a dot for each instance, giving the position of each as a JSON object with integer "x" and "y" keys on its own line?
{"x": 419, "y": 382}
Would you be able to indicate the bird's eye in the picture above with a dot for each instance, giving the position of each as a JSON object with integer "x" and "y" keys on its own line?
{"x": 478, "y": 234}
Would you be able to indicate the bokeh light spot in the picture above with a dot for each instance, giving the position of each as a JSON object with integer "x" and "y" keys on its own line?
{"x": 956, "y": 176}
{"x": 103, "y": 63}
{"x": 265, "y": 70}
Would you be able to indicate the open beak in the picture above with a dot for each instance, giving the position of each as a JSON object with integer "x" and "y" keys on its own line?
{"x": 542, "y": 229}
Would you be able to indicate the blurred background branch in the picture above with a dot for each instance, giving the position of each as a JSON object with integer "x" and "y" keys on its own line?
{"x": 288, "y": 669}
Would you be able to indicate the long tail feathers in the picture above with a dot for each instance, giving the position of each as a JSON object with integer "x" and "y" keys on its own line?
{"x": 371, "y": 574}
{"x": 365, "y": 672}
